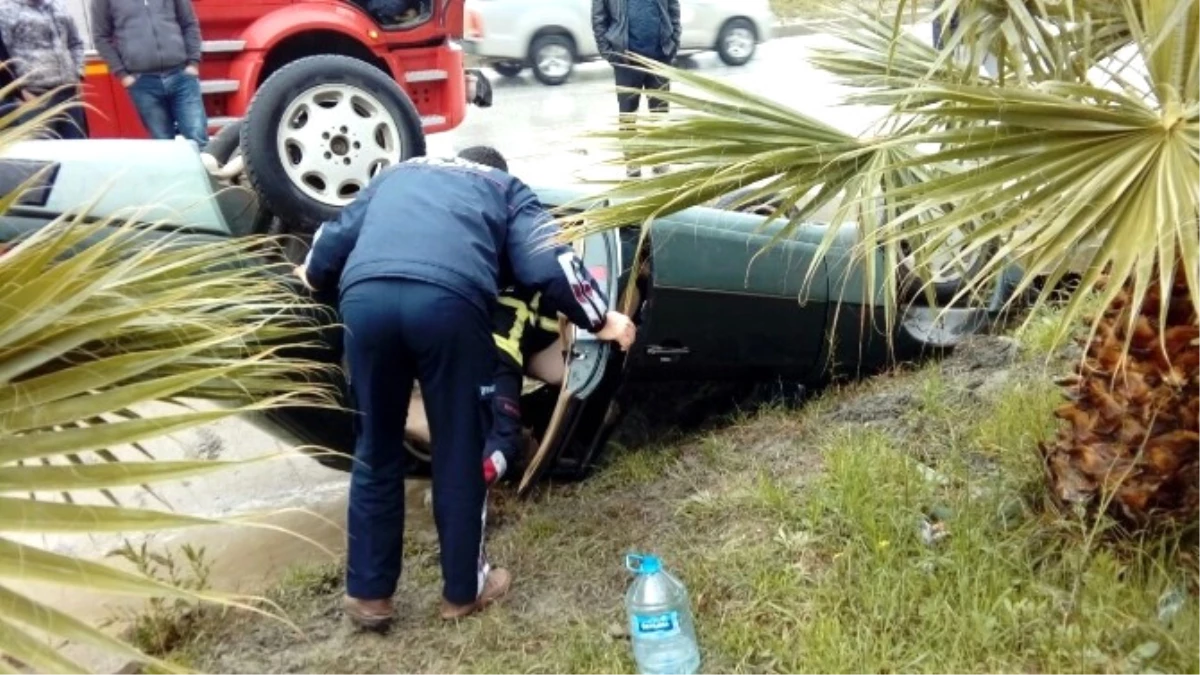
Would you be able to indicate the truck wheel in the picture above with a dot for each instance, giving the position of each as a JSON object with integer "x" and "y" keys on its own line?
{"x": 553, "y": 58}
{"x": 736, "y": 42}
{"x": 319, "y": 129}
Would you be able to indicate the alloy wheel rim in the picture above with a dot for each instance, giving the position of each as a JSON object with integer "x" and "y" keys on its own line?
{"x": 333, "y": 139}
{"x": 739, "y": 43}
{"x": 554, "y": 61}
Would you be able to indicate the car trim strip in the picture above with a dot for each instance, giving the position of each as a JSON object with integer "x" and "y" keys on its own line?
{"x": 218, "y": 86}
{"x": 432, "y": 75}
{"x": 222, "y": 46}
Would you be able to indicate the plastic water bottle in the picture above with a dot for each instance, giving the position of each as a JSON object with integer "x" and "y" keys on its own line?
{"x": 660, "y": 620}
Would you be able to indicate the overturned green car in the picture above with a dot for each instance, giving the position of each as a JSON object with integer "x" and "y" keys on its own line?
{"x": 710, "y": 302}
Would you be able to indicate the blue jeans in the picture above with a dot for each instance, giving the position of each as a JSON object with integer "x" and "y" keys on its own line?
{"x": 170, "y": 103}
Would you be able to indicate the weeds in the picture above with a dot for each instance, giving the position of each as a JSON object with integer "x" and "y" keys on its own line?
{"x": 165, "y": 625}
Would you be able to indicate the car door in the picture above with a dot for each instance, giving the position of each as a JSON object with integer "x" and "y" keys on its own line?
{"x": 722, "y": 307}
{"x": 585, "y": 412}
{"x": 696, "y": 19}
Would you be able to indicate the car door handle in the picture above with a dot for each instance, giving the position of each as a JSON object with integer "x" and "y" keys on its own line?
{"x": 659, "y": 350}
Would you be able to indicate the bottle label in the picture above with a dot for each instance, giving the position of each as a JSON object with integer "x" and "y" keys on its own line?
{"x": 656, "y": 626}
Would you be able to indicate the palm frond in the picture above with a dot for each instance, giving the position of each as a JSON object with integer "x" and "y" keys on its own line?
{"x": 102, "y": 320}
{"x": 1063, "y": 162}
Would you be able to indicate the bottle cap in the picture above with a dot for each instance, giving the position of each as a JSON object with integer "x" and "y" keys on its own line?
{"x": 643, "y": 564}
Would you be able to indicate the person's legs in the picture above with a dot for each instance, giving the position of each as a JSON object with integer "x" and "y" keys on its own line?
{"x": 72, "y": 122}
{"x": 505, "y": 436}
{"x": 627, "y": 101}
{"x": 187, "y": 107}
{"x": 455, "y": 355}
{"x": 149, "y": 96}
{"x": 510, "y": 318}
{"x": 658, "y": 106}
{"x": 381, "y": 374}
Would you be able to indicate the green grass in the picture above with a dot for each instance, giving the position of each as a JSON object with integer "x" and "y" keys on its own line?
{"x": 800, "y": 539}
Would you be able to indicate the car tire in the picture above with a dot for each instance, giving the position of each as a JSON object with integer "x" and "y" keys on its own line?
{"x": 552, "y": 58}
{"x": 737, "y": 41}
{"x": 370, "y": 124}
{"x": 225, "y": 143}
{"x": 913, "y": 288}
{"x": 508, "y": 68}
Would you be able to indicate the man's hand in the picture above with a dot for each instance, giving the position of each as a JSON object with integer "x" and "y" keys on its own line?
{"x": 301, "y": 272}
{"x": 128, "y": 81}
{"x": 192, "y": 70}
{"x": 28, "y": 95}
{"x": 620, "y": 329}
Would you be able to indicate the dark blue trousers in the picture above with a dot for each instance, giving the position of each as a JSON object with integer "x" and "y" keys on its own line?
{"x": 398, "y": 330}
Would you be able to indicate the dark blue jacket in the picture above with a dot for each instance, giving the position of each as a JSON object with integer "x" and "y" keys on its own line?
{"x": 465, "y": 227}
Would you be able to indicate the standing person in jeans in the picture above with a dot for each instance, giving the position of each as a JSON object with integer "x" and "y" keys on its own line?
{"x": 47, "y": 52}
{"x": 153, "y": 48}
{"x": 648, "y": 28}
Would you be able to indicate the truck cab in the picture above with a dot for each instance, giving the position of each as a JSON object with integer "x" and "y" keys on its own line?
{"x": 246, "y": 41}
{"x": 320, "y": 95}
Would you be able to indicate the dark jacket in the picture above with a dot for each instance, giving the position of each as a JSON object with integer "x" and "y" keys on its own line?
{"x": 610, "y": 25}
{"x": 7, "y": 77}
{"x": 43, "y": 42}
{"x": 465, "y": 227}
{"x": 146, "y": 36}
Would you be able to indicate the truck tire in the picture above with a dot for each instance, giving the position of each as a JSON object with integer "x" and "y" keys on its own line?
{"x": 319, "y": 129}
{"x": 226, "y": 142}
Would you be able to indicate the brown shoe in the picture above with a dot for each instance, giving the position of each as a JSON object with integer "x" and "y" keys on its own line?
{"x": 374, "y": 615}
{"x": 497, "y": 584}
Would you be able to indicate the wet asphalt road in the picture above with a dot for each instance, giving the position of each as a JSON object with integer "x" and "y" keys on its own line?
{"x": 540, "y": 129}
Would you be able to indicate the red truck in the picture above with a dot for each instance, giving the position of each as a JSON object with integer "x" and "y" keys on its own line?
{"x": 323, "y": 95}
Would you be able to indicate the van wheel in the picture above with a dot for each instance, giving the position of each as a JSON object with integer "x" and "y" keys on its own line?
{"x": 737, "y": 42}
{"x": 553, "y": 58}
{"x": 319, "y": 129}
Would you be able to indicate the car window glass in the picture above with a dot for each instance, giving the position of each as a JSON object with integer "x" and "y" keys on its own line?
{"x": 397, "y": 14}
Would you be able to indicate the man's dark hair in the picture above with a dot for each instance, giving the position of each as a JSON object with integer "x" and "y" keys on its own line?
{"x": 485, "y": 155}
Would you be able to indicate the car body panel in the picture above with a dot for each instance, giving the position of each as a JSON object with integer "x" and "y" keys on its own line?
{"x": 508, "y": 27}
{"x": 720, "y": 302}
{"x": 143, "y": 180}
